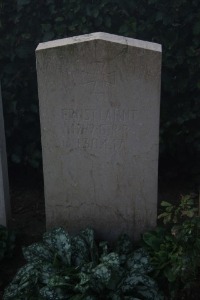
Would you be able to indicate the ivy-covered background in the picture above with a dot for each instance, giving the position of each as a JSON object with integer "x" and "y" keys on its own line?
{"x": 174, "y": 23}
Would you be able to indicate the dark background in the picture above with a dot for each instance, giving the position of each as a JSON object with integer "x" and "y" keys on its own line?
{"x": 25, "y": 23}
{"x": 174, "y": 23}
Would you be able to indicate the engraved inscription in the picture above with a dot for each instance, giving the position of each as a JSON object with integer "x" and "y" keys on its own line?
{"x": 91, "y": 129}
{"x": 102, "y": 144}
{"x": 89, "y": 77}
{"x": 108, "y": 116}
{"x": 96, "y": 130}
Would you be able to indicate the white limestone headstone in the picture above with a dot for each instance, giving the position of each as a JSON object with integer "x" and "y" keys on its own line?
{"x": 4, "y": 187}
{"x": 99, "y": 100}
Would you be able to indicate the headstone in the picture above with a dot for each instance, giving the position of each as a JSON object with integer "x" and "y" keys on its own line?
{"x": 4, "y": 188}
{"x": 99, "y": 100}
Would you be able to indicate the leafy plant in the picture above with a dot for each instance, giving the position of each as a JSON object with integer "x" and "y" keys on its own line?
{"x": 74, "y": 267}
{"x": 175, "y": 248}
{"x": 7, "y": 242}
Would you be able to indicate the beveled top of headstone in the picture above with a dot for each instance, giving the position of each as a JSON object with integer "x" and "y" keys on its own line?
{"x": 100, "y": 36}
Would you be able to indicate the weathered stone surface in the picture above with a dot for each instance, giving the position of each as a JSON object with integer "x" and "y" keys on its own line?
{"x": 4, "y": 189}
{"x": 99, "y": 107}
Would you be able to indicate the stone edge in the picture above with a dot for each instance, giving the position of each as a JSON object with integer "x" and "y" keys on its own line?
{"x": 4, "y": 167}
{"x": 100, "y": 36}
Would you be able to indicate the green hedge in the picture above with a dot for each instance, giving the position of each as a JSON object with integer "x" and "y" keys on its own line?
{"x": 173, "y": 23}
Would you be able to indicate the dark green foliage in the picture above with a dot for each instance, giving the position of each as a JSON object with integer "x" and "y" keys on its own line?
{"x": 74, "y": 267}
{"x": 175, "y": 248}
{"x": 7, "y": 242}
{"x": 174, "y": 23}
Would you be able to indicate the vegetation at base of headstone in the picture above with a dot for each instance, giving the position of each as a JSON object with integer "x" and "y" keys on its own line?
{"x": 76, "y": 267}
{"x": 174, "y": 23}
{"x": 175, "y": 248}
{"x": 7, "y": 242}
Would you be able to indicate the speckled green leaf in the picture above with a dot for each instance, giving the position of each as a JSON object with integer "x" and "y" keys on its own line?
{"x": 143, "y": 284}
{"x": 139, "y": 261}
{"x": 24, "y": 271}
{"x": 65, "y": 267}
{"x": 102, "y": 273}
{"x": 149, "y": 293}
{"x": 23, "y": 283}
{"x": 131, "y": 298}
{"x": 80, "y": 253}
{"x": 111, "y": 260}
{"x": 11, "y": 292}
{"x": 76, "y": 297}
{"x": 59, "y": 241}
{"x": 130, "y": 282}
{"x": 115, "y": 297}
{"x": 36, "y": 252}
{"x": 124, "y": 245}
{"x": 57, "y": 280}
{"x": 88, "y": 236}
{"x": 90, "y": 298}
{"x": 49, "y": 293}
{"x": 83, "y": 285}
{"x": 46, "y": 272}
{"x": 104, "y": 247}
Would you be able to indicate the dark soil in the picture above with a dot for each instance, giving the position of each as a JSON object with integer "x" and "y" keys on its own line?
{"x": 28, "y": 219}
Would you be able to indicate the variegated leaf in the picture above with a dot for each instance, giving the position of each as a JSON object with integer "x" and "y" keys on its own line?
{"x": 111, "y": 260}
{"x": 139, "y": 261}
{"x": 49, "y": 293}
{"x": 37, "y": 251}
{"x": 102, "y": 273}
{"x": 59, "y": 241}
{"x": 80, "y": 253}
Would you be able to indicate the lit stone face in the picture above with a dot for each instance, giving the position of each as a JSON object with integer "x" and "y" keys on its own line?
{"x": 4, "y": 189}
{"x": 99, "y": 108}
